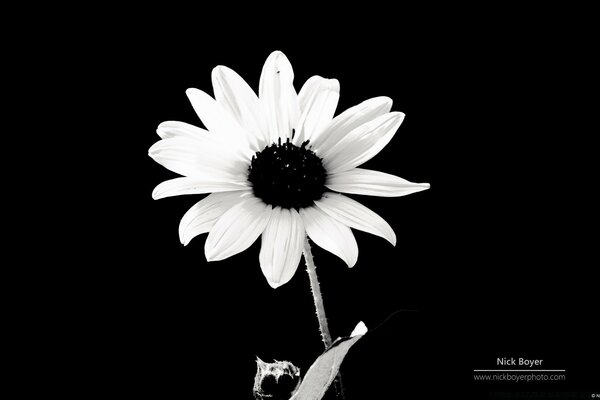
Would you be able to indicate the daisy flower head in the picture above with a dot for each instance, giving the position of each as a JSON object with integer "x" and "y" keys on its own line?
{"x": 276, "y": 166}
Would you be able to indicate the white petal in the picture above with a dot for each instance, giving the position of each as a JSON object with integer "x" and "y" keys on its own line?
{"x": 372, "y": 183}
{"x": 234, "y": 94}
{"x": 362, "y": 143}
{"x": 281, "y": 247}
{"x": 278, "y": 96}
{"x": 355, "y": 215}
{"x": 350, "y": 119}
{"x": 330, "y": 234}
{"x": 199, "y": 157}
{"x": 173, "y": 129}
{"x": 181, "y": 186}
{"x": 237, "y": 229}
{"x": 220, "y": 122}
{"x": 318, "y": 100}
{"x": 177, "y": 129}
{"x": 205, "y": 213}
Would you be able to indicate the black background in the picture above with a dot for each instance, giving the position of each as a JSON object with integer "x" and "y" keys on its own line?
{"x": 492, "y": 261}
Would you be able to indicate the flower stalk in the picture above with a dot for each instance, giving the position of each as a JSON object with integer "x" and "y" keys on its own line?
{"x": 317, "y": 296}
{"x": 320, "y": 310}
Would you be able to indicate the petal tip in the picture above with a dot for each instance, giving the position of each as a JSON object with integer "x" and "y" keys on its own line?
{"x": 219, "y": 71}
{"x": 279, "y": 57}
{"x": 354, "y": 255}
{"x": 215, "y": 255}
{"x": 383, "y": 102}
{"x": 164, "y": 125}
{"x": 274, "y": 284}
{"x": 398, "y": 115}
{"x": 207, "y": 253}
{"x": 334, "y": 84}
{"x": 191, "y": 92}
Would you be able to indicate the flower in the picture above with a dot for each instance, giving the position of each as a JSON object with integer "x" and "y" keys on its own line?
{"x": 275, "y": 164}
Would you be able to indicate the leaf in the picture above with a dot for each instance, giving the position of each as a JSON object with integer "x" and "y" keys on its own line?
{"x": 325, "y": 368}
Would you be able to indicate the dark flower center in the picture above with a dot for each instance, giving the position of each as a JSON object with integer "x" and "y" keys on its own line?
{"x": 287, "y": 175}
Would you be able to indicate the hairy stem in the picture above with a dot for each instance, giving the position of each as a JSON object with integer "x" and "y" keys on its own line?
{"x": 320, "y": 309}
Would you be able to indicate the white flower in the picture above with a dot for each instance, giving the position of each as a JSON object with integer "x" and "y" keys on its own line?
{"x": 273, "y": 165}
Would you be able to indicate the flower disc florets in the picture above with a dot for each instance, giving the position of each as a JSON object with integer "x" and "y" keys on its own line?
{"x": 287, "y": 175}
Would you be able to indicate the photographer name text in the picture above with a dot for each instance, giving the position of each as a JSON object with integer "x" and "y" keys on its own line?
{"x": 518, "y": 361}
